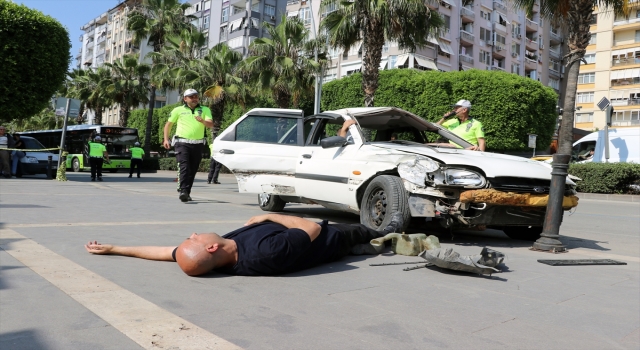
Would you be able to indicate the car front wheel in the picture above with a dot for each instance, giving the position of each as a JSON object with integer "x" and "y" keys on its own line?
{"x": 384, "y": 196}
{"x": 525, "y": 233}
{"x": 270, "y": 202}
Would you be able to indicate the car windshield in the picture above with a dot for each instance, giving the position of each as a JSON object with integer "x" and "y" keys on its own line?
{"x": 30, "y": 143}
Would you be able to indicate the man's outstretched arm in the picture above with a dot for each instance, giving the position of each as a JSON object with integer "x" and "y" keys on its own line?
{"x": 308, "y": 226}
{"x": 149, "y": 253}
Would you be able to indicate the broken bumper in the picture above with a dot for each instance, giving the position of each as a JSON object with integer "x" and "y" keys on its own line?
{"x": 495, "y": 197}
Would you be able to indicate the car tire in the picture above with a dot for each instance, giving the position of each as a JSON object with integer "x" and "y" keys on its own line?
{"x": 270, "y": 202}
{"x": 384, "y": 196}
{"x": 525, "y": 233}
{"x": 75, "y": 165}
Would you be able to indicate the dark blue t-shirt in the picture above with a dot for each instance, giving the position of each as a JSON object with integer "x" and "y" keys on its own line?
{"x": 271, "y": 249}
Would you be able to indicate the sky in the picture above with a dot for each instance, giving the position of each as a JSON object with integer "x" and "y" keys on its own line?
{"x": 73, "y": 14}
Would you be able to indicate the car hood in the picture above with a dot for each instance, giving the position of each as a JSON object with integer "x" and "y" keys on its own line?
{"x": 493, "y": 164}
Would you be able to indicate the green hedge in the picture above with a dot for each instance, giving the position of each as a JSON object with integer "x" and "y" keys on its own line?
{"x": 509, "y": 106}
{"x": 606, "y": 177}
{"x": 138, "y": 120}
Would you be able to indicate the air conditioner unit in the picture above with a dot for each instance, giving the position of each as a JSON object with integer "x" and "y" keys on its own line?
{"x": 519, "y": 36}
{"x": 273, "y": 18}
{"x": 513, "y": 54}
{"x": 489, "y": 43}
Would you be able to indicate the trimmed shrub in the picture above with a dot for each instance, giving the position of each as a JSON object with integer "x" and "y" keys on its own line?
{"x": 34, "y": 60}
{"x": 509, "y": 106}
{"x": 606, "y": 177}
{"x": 138, "y": 120}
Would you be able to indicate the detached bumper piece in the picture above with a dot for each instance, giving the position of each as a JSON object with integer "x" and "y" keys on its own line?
{"x": 495, "y": 197}
{"x": 483, "y": 263}
{"x": 582, "y": 262}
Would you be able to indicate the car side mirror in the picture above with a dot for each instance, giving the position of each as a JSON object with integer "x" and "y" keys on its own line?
{"x": 333, "y": 141}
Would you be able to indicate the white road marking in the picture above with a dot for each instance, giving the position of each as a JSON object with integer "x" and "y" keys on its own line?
{"x": 125, "y": 223}
{"x": 142, "y": 321}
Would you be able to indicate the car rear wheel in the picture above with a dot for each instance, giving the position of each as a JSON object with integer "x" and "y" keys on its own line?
{"x": 525, "y": 233}
{"x": 270, "y": 202}
{"x": 384, "y": 196}
{"x": 75, "y": 165}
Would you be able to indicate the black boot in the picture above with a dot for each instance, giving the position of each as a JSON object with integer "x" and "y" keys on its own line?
{"x": 395, "y": 225}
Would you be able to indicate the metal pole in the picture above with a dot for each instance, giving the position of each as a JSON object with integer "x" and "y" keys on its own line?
{"x": 316, "y": 99}
{"x": 606, "y": 133}
{"x": 553, "y": 218}
{"x": 64, "y": 131}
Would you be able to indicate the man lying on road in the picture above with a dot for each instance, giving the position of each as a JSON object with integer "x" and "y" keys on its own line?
{"x": 268, "y": 244}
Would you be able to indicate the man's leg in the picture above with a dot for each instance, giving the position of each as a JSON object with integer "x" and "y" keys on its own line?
{"x": 212, "y": 167}
{"x": 138, "y": 164}
{"x": 218, "y": 165}
{"x": 352, "y": 235}
{"x": 92, "y": 163}
{"x": 99, "y": 162}
{"x": 182, "y": 156}
{"x": 131, "y": 167}
{"x": 195, "y": 157}
{"x": 5, "y": 168}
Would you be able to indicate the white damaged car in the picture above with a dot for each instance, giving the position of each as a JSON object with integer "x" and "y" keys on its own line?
{"x": 390, "y": 161}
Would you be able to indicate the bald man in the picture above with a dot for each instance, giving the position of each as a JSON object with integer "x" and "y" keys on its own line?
{"x": 270, "y": 244}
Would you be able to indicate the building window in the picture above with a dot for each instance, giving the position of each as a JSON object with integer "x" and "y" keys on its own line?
{"x": 225, "y": 14}
{"x": 515, "y": 30}
{"x": 484, "y": 57}
{"x": 305, "y": 15}
{"x": 590, "y": 58}
{"x": 594, "y": 19}
{"x": 584, "y": 97}
{"x": 205, "y": 22}
{"x": 270, "y": 10}
{"x": 224, "y": 33}
{"x": 626, "y": 118}
{"x": 447, "y": 21}
{"x": 485, "y": 34}
{"x": 554, "y": 83}
{"x": 554, "y": 65}
{"x": 392, "y": 61}
{"x": 235, "y": 42}
{"x": 515, "y": 48}
{"x": 593, "y": 40}
{"x": 160, "y": 104}
{"x": 256, "y": 7}
{"x": 515, "y": 68}
{"x": 587, "y": 78}
{"x": 500, "y": 39}
{"x": 485, "y": 15}
{"x": 584, "y": 118}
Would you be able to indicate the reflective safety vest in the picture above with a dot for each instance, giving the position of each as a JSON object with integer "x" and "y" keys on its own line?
{"x": 136, "y": 152}
{"x": 96, "y": 150}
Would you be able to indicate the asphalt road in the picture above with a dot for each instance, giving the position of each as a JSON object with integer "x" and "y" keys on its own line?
{"x": 54, "y": 295}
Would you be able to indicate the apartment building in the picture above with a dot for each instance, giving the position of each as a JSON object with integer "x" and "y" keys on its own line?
{"x": 478, "y": 34}
{"x": 612, "y": 70}
{"x": 105, "y": 40}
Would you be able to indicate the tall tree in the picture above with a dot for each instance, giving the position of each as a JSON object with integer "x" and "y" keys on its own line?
{"x": 128, "y": 85}
{"x": 90, "y": 87}
{"x": 75, "y": 87}
{"x": 154, "y": 21}
{"x": 410, "y": 23}
{"x": 215, "y": 74}
{"x": 279, "y": 64}
{"x": 575, "y": 16}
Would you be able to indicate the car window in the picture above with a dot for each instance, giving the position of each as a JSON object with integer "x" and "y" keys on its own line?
{"x": 582, "y": 150}
{"x": 326, "y": 128}
{"x": 278, "y": 130}
{"x": 32, "y": 143}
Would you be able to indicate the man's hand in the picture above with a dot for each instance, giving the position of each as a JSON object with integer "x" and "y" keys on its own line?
{"x": 166, "y": 144}
{"x": 473, "y": 148}
{"x": 257, "y": 219}
{"x": 97, "y": 248}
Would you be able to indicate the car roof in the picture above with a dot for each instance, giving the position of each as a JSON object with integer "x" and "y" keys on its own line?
{"x": 370, "y": 114}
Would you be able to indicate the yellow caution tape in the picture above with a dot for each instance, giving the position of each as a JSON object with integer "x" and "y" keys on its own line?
{"x": 30, "y": 150}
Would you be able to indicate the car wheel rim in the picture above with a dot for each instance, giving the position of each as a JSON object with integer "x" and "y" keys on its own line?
{"x": 264, "y": 199}
{"x": 378, "y": 208}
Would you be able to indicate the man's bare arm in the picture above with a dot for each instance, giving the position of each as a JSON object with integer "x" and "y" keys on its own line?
{"x": 145, "y": 252}
{"x": 167, "y": 130}
{"x": 345, "y": 127}
{"x": 308, "y": 226}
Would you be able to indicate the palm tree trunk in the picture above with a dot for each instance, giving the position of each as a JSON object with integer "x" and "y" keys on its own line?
{"x": 147, "y": 131}
{"x": 217, "y": 111}
{"x": 281, "y": 98}
{"x": 80, "y": 113}
{"x": 124, "y": 114}
{"x": 580, "y": 13}
{"x": 97, "y": 120}
{"x": 372, "y": 44}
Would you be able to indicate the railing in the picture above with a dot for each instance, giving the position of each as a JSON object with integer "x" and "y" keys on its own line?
{"x": 625, "y": 102}
{"x": 625, "y": 61}
{"x": 292, "y": 2}
{"x": 624, "y": 82}
{"x": 499, "y": 6}
{"x": 498, "y": 46}
{"x": 467, "y": 36}
{"x": 467, "y": 13}
{"x": 467, "y": 59}
{"x": 555, "y": 53}
{"x": 625, "y": 21}
{"x": 555, "y": 36}
{"x": 497, "y": 68}
{"x": 530, "y": 61}
{"x": 531, "y": 23}
{"x": 444, "y": 33}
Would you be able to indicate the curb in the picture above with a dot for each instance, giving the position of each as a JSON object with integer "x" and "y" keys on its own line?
{"x": 610, "y": 197}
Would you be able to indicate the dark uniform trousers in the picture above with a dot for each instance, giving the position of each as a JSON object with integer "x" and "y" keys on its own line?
{"x": 352, "y": 235}
{"x": 96, "y": 166}
{"x": 214, "y": 170}
{"x": 189, "y": 156}
{"x": 135, "y": 163}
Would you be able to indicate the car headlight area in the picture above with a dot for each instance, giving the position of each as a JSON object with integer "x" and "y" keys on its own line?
{"x": 423, "y": 171}
{"x": 29, "y": 159}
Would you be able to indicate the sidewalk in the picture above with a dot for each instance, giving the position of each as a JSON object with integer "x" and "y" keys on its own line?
{"x": 610, "y": 197}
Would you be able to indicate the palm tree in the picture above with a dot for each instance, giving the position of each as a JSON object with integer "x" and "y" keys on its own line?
{"x": 410, "y": 23}
{"x": 215, "y": 75}
{"x": 279, "y": 63}
{"x": 95, "y": 94}
{"x": 576, "y": 17}
{"x": 75, "y": 87}
{"x": 128, "y": 85}
{"x": 155, "y": 20}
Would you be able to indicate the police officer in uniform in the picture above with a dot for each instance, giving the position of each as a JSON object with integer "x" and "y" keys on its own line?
{"x": 136, "y": 158}
{"x": 191, "y": 119}
{"x": 464, "y": 126}
{"x": 214, "y": 169}
{"x": 96, "y": 152}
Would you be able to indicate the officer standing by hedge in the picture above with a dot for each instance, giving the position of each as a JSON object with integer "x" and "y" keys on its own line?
{"x": 136, "y": 158}
{"x": 96, "y": 153}
{"x": 214, "y": 169}
{"x": 191, "y": 119}
{"x": 465, "y": 126}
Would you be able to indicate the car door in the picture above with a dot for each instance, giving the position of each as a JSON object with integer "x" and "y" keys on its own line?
{"x": 326, "y": 174}
{"x": 261, "y": 150}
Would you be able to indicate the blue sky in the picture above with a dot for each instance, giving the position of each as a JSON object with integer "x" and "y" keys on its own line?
{"x": 73, "y": 14}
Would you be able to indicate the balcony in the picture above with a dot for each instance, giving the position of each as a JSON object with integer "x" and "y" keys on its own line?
{"x": 625, "y": 102}
{"x": 467, "y": 15}
{"x": 530, "y": 64}
{"x": 499, "y": 49}
{"x": 90, "y": 44}
{"x": 531, "y": 44}
{"x": 555, "y": 37}
{"x": 497, "y": 5}
{"x": 444, "y": 33}
{"x": 531, "y": 25}
{"x": 619, "y": 62}
{"x": 467, "y": 59}
{"x": 434, "y": 5}
{"x": 555, "y": 53}
{"x": 467, "y": 37}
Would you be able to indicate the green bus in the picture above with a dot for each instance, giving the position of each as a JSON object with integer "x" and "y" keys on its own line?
{"x": 118, "y": 141}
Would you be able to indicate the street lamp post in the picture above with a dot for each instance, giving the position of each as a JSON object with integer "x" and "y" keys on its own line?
{"x": 318, "y": 86}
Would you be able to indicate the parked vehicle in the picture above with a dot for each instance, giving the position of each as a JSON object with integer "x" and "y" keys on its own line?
{"x": 285, "y": 157}
{"x": 624, "y": 146}
{"x": 34, "y": 163}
